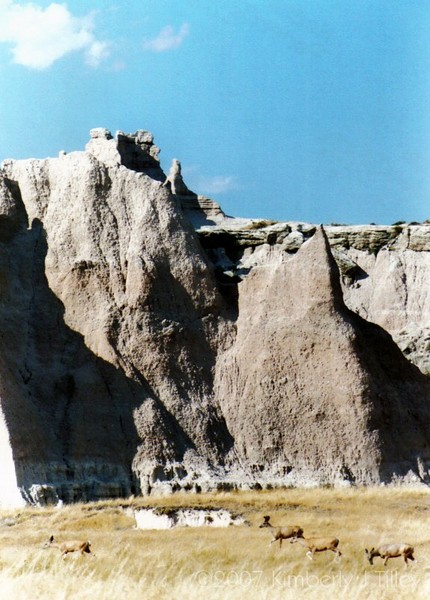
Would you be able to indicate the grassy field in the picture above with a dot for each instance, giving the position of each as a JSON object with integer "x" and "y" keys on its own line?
{"x": 231, "y": 563}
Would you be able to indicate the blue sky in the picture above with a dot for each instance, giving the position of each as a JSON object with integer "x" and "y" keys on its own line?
{"x": 309, "y": 110}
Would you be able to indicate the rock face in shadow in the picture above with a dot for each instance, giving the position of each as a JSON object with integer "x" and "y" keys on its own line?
{"x": 128, "y": 366}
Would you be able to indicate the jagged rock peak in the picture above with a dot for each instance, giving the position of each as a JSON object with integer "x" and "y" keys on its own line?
{"x": 175, "y": 181}
{"x": 135, "y": 151}
{"x": 320, "y": 267}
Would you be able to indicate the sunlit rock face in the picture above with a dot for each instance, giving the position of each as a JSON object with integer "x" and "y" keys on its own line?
{"x": 384, "y": 270}
{"x": 111, "y": 324}
{"x": 323, "y": 379}
{"x": 10, "y": 494}
{"x": 140, "y": 355}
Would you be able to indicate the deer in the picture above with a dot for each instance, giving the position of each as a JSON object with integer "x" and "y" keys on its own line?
{"x": 386, "y": 551}
{"x": 316, "y": 544}
{"x": 70, "y": 546}
{"x": 281, "y": 533}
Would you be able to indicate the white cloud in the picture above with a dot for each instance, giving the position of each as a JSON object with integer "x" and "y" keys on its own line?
{"x": 203, "y": 184}
{"x": 96, "y": 52}
{"x": 40, "y": 36}
{"x": 219, "y": 184}
{"x": 167, "y": 39}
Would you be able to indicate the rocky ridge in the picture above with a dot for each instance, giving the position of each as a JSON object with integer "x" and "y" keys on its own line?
{"x": 130, "y": 319}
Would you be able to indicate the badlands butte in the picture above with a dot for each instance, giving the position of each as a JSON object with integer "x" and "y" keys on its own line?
{"x": 150, "y": 343}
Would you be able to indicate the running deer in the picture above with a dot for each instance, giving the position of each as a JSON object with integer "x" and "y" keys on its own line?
{"x": 282, "y": 533}
{"x": 315, "y": 544}
{"x": 386, "y": 551}
{"x": 71, "y": 546}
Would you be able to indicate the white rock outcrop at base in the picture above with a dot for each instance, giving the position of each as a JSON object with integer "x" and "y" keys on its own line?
{"x": 149, "y": 518}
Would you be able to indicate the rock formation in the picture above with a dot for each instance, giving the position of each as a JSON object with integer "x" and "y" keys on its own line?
{"x": 385, "y": 270}
{"x": 175, "y": 182}
{"x": 139, "y": 354}
{"x": 328, "y": 396}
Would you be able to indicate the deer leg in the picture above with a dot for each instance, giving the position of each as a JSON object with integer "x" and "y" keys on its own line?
{"x": 310, "y": 555}
{"x": 337, "y": 552}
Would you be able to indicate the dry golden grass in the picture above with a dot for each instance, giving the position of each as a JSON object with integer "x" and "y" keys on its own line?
{"x": 231, "y": 563}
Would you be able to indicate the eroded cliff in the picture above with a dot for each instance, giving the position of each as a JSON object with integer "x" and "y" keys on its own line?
{"x": 137, "y": 353}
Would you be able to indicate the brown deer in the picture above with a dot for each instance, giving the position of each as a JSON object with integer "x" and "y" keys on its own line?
{"x": 282, "y": 533}
{"x": 315, "y": 544}
{"x": 70, "y": 546}
{"x": 386, "y": 551}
